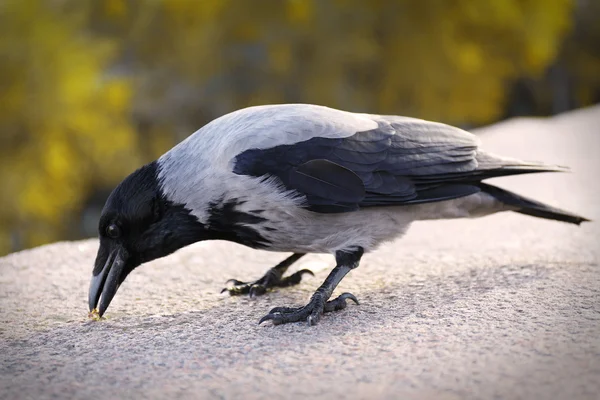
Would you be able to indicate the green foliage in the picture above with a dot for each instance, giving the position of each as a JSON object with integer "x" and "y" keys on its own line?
{"x": 93, "y": 88}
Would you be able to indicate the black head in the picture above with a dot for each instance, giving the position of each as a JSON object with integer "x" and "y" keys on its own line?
{"x": 138, "y": 224}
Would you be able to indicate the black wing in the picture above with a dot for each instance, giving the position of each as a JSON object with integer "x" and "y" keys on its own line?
{"x": 403, "y": 161}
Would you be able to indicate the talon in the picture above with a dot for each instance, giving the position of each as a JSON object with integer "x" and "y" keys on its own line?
{"x": 235, "y": 282}
{"x": 275, "y": 318}
{"x": 313, "y": 319}
{"x": 238, "y": 290}
{"x": 346, "y": 295}
{"x": 294, "y": 279}
{"x": 257, "y": 290}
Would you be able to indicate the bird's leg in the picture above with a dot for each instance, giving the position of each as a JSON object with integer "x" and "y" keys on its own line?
{"x": 346, "y": 261}
{"x": 273, "y": 278}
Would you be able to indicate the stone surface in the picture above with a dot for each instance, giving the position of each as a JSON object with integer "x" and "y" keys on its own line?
{"x": 506, "y": 307}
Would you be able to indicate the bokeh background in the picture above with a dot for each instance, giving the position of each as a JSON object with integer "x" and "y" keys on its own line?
{"x": 92, "y": 89}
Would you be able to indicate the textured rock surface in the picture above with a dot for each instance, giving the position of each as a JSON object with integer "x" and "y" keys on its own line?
{"x": 507, "y": 306}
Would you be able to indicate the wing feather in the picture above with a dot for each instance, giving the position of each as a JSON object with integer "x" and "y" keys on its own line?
{"x": 402, "y": 161}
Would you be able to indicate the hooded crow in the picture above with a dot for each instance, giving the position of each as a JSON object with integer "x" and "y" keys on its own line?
{"x": 303, "y": 179}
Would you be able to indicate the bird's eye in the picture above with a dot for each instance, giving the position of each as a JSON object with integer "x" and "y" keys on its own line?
{"x": 113, "y": 231}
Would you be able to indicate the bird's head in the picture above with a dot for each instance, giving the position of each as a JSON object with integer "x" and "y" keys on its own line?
{"x": 138, "y": 224}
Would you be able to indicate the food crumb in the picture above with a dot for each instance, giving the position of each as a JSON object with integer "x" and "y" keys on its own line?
{"x": 94, "y": 315}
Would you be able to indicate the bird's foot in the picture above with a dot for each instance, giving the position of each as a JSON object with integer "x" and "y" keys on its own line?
{"x": 273, "y": 278}
{"x": 311, "y": 312}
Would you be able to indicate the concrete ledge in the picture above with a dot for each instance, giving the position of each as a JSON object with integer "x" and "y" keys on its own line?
{"x": 507, "y": 306}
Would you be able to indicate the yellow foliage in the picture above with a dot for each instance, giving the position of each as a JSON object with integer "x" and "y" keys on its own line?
{"x": 299, "y": 11}
{"x": 115, "y": 8}
{"x": 66, "y": 114}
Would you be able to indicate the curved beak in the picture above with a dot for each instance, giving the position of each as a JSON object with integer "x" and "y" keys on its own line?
{"x": 105, "y": 284}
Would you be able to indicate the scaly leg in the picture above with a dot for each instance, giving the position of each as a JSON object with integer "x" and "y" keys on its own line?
{"x": 346, "y": 261}
{"x": 273, "y": 278}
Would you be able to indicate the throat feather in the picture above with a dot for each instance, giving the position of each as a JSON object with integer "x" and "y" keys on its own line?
{"x": 226, "y": 221}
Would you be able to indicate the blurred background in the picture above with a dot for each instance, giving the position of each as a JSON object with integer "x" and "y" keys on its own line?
{"x": 92, "y": 89}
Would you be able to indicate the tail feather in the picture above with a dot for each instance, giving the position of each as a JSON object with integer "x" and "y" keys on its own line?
{"x": 531, "y": 207}
{"x": 491, "y": 166}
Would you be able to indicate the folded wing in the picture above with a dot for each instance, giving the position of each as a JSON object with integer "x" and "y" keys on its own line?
{"x": 403, "y": 161}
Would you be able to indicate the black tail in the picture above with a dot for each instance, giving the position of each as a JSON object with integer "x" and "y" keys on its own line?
{"x": 531, "y": 207}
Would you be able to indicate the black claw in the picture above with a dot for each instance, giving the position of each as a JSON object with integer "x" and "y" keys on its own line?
{"x": 257, "y": 290}
{"x": 294, "y": 279}
{"x": 339, "y": 303}
{"x": 235, "y": 282}
{"x": 266, "y": 318}
{"x": 314, "y": 317}
{"x": 237, "y": 290}
{"x": 347, "y": 295}
{"x": 275, "y": 318}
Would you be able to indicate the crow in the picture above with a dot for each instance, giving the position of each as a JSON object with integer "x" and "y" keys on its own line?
{"x": 303, "y": 179}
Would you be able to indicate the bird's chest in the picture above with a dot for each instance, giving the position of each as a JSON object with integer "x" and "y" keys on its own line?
{"x": 303, "y": 231}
